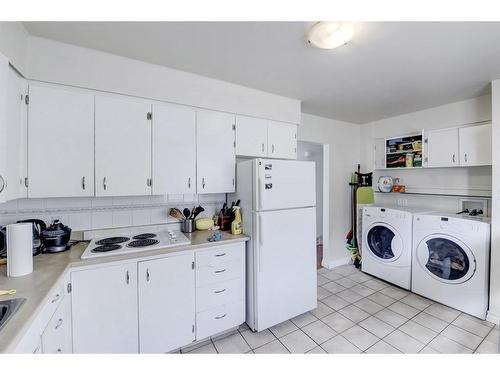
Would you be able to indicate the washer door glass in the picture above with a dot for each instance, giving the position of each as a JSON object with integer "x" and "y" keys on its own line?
{"x": 446, "y": 259}
{"x": 384, "y": 242}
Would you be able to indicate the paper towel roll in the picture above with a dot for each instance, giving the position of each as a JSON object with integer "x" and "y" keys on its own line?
{"x": 19, "y": 249}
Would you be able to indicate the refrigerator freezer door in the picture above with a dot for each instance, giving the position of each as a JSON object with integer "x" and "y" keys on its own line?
{"x": 284, "y": 265}
{"x": 285, "y": 184}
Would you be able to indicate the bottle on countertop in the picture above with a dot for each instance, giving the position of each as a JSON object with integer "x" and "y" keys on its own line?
{"x": 236, "y": 227}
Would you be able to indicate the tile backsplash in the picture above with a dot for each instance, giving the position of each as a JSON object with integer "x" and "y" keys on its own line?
{"x": 107, "y": 212}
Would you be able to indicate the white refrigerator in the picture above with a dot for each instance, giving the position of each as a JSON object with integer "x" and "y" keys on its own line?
{"x": 278, "y": 206}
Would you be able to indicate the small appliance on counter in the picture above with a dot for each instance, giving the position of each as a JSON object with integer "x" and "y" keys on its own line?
{"x": 38, "y": 227}
{"x": 56, "y": 237}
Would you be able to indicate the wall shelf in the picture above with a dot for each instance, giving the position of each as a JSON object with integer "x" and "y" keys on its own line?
{"x": 437, "y": 194}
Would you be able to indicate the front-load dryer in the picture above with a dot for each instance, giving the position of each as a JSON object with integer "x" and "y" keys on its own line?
{"x": 451, "y": 260}
{"x": 387, "y": 243}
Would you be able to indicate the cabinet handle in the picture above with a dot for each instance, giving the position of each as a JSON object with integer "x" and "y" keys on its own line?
{"x": 219, "y": 291}
{"x": 104, "y": 185}
{"x": 220, "y": 271}
{"x": 263, "y": 147}
{"x": 203, "y": 182}
{"x": 220, "y": 317}
{"x": 147, "y": 275}
{"x": 453, "y": 158}
{"x": 83, "y": 182}
{"x": 2, "y": 183}
{"x": 59, "y": 323}
{"x": 220, "y": 255}
{"x": 272, "y": 148}
{"x": 26, "y": 182}
{"x": 59, "y": 350}
{"x": 465, "y": 157}
{"x": 189, "y": 182}
{"x": 56, "y": 298}
{"x": 127, "y": 278}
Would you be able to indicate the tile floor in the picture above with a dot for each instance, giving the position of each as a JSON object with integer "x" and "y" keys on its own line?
{"x": 358, "y": 313}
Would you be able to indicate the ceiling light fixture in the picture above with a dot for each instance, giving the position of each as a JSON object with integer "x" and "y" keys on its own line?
{"x": 329, "y": 35}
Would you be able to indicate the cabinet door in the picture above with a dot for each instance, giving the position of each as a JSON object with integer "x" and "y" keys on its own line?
{"x": 251, "y": 137}
{"x": 442, "y": 148}
{"x": 475, "y": 145}
{"x": 379, "y": 150}
{"x": 166, "y": 303}
{"x": 215, "y": 152}
{"x": 60, "y": 143}
{"x": 282, "y": 140}
{"x": 15, "y": 145}
{"x": 56, "y": 338}
{"x": 4, "y": 78}
{"x": 174, "y": 149}
{"x": 104, "y": 309}
{"x": 122, "y": 147}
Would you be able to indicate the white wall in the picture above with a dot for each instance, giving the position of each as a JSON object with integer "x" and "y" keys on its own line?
{"x": 495, "y": 219}
{"x": 13, "y": 43}
{"x": 62, "y": 63}
{"x": 343, "y": 138}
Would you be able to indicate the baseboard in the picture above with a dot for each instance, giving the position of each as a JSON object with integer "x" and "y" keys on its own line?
{"x": 336, "y": 263}
{"x": 493, "y": 317}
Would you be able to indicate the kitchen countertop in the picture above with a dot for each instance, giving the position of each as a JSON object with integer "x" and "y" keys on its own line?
{"x": 49, "y": 270}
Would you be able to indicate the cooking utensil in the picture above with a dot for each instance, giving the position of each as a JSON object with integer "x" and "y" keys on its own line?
{"x": 198, "y": 210}
{"x": 186, "y": 212}
{"x": 56, "y": 237}
{"x": 187, "y": 226}
{"x": 176, "y": 213}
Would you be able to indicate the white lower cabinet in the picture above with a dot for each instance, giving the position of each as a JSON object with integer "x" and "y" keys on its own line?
{"x": 56, "y": 338}
{"x": 166, "y": 303}
{"x": 104, "y": 309}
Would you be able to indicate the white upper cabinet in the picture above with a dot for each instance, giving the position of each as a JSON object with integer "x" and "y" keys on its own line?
{"x": 166, "y": 303}
{"x": 104, "y": 309}
{"x": 442, "y": 148}
{"x": 251, "y": 136}
{"x": 122, "y": 147}
{"x": 174, "y": 149}
{"x": 282, "y": 140}
{"x": 60, "y": 143}
{"x": 15, "y": 145}
{"x": 215, "y": 152}
{"x": 379, "y": 153}
{"x": 475, "y": 145}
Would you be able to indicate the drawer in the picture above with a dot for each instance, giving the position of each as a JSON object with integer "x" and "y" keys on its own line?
{"x": 223, "y": 254}
{"x": 223, "y": 271}
{"x": 53, "y": 302}
{"x": 55, "y": 336}
{"x": 219, "y": 319}
{"x": 208, "y": 297}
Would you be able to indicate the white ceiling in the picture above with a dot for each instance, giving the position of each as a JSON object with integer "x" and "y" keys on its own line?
{"x": 387, "y": 69}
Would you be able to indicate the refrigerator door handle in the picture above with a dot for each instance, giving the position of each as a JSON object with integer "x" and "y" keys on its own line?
{"x": 259, "y": 192}
{"x": 259, "y": 235}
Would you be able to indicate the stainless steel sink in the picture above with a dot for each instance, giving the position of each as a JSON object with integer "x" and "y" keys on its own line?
{"x": 8, "y": 308}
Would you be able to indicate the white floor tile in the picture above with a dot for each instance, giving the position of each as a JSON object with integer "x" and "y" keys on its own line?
{"x": 273, "y": 347}
{"x": 487, "y": 347}
{"x": 376, "y": 284}
{"x": 256, "y": 339}
{"x": 317, "y": 350}
{"x": 376, "y": 326}
{"x": 332, "y": 275}
{"x": 319, "y": 331}
{"x": 321, "y": 280}
{"x": 320, "y": 311}
{"x": 381, "y": 299}
{"x": 369, "y": 306}
{"x": 205, "y": 349}
{"x": 340, "y": 345}
{"x": 403, "y": 342}
{"x": 390, "y": 317}
{"x": 323, "y": 293}
{"x": 445, "y": 345}
{"x": 382, "y": 347}
{"x": 403, "y": 309}
{"x": 463, "y": 337}
{"x": 346, "y": 270}
{"x": 298, "y": 342}
{"x": 493, "y": 336}
{"x": 360, "y": 337}
{"x": 283, "y": 329}
{"x": 346, "y": 282}
{"x": 415, "y": 301}
{"x": 338, "y": 322}
{"x": 354, "y": 313}
{"x": 428, "y": 350}
{"x": 335, "y": 302}
{"x": 473, "y": 326}
{"x": 232, "y": 344}
{"x": 362, "y": 290}
{"x": 415, "y": 330}
{"x": 333, "y": 287}
{"x": 307, "y": 318}
{"x": 350, "y": 295}
{"x": 394, "y": 292}
{"x": 442, "y": 312}
{"x": 429, "y": 321}
{"x": 360, "y": 277}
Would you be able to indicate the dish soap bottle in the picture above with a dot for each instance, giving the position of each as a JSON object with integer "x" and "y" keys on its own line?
{"x": 236, "y": 224}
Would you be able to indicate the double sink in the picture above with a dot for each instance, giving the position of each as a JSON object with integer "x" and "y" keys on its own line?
{"x": 8, "y": 308}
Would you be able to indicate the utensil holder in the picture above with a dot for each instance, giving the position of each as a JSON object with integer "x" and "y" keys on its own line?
{"x": 188, "y": 226}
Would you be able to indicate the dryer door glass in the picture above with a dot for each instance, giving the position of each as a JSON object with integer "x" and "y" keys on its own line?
{"x": 447, "y": 260}
{"x": 380, "y": 241}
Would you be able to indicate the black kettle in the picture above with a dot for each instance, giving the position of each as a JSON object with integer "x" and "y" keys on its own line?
{"x": 56, "y": 237}
{"x": 38, "y": 227}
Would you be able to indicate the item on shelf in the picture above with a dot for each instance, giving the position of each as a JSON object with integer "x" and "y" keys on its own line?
{"x": 417, "y": 145}
{"x": 409, "y": 160}
{"x": 217, "y": 236}
{"x": 385, "y": 184}
{"x": 417, "y": 160}
{"x": 236, "y": 227}
{"x": 204, "y": 223}
{"x": 56, "y": 237}
{"x": 397, "y": 187}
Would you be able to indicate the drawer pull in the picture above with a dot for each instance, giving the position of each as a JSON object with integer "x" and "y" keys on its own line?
{"x": 59, "y": 350}
{"x": 220, "y": 317}
{"x": 220, "y": 271}
{"x": 56, "y": 298}
{"x": 59, "y": 323}
{"x": 220, "y": 291}
{"x": 220, "y": 255}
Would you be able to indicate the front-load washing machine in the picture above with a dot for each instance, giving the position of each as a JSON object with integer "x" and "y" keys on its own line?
{"x": 387, "y": 243}
{"x": 451, "y": 260}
